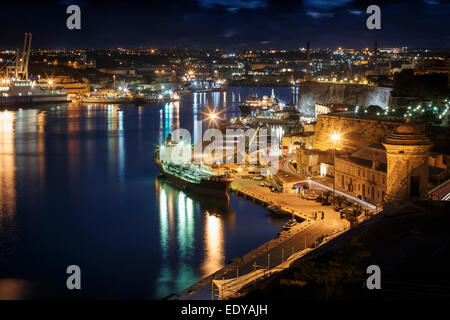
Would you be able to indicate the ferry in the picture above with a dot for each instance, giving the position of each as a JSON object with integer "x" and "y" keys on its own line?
{"x": 16, "y": 88}
{"x": 197, "y": 178}
{"x": 25, "y": 92}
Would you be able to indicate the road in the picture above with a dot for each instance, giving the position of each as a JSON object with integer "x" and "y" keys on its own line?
{"x": 276, "y": 248}
{"x": 441, "y": 192}
{"x": 301, "y": 240}
{"x": 284, "y": 165}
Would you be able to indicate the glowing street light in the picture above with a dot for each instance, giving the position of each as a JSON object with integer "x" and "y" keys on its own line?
{"x": 335, "y": 137}
{"x": 212, "y": 115}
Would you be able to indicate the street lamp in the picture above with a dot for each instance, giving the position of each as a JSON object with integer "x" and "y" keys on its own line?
{"x": 213, "y": 116}
{"x": 335, "y": 137}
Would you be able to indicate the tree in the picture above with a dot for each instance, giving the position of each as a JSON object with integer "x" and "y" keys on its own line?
{"x": 334, "y": 271}
{"x": 373, "y": 109}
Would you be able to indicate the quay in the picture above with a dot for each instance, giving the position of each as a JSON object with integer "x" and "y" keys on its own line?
{"x": 319, "y": 225}
{"x": 289, "y": 245}
{"x": 287, "y": 203}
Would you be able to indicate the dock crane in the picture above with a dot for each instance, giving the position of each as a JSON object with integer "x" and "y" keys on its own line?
{"x": 18, "y": 68}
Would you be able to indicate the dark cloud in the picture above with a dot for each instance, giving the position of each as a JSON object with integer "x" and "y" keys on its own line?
{"x": 226, "y": 23}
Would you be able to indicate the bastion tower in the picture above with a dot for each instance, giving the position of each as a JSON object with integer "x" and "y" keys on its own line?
{"x": 407, "y": 151}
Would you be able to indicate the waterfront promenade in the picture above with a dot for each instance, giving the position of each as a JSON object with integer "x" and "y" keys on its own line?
{"x": 292, "y": 244}
{"x": 288, "y": 202}
{"x": 275, "y": 251}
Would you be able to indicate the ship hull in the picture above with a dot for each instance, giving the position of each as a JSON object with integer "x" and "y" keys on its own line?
{"x": 212, "y": 205}
{"x": 209, "y": 188}
{"x": 106, "y": 101}
{"x": 245, "y": 110}
{"x": 30, "y": 100}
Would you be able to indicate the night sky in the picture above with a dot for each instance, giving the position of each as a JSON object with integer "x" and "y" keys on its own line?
{"x": 227, "y": 24}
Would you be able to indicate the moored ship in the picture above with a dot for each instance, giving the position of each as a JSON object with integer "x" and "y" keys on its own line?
{"x": 198, "y": 178}
{"x": 107, "y": 97}
{"x": 23, "y": 92}
{"x": 258, "y": 105}
{"x": 16, "y": 89}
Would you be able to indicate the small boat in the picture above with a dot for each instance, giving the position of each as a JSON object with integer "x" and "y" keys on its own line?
{"x": 291, "y": 223}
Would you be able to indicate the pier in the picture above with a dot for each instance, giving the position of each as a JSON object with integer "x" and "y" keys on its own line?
{"x": 268, "y": 201}
{"x": 276, "y": 254}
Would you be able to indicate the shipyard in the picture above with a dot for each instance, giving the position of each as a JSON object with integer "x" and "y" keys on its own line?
{"x": 217, "y": 166}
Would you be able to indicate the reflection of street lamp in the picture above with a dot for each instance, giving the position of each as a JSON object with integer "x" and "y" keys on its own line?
{"x": 335, "y": 137}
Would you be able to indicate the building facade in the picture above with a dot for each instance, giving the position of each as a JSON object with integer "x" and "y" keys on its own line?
{"x": 363, "y": 173}
{"x": 407, "y": 151}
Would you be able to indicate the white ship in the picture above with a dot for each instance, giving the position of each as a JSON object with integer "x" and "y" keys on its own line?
{"x": 107, "y": 97}
{"x": 23, "y": 92}
{"x": 258, "y": 105}
{"x": 17, "y": 89}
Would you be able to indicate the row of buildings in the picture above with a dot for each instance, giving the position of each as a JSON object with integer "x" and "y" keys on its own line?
{"x": 375, "y": 160}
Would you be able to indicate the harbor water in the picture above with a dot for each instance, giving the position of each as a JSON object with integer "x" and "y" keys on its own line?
{"x": 78, "y": 186}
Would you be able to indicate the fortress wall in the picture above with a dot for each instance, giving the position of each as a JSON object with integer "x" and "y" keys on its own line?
{"x": 346, "y": 94}
{"x": 356, "y": 132}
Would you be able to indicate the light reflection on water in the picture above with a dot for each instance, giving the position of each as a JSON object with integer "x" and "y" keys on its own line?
{"x": 7, "y": 185}
{"x": 183, "y": 241}
{"x": 78, "y": 185}
{"x": 214, "y": 256}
